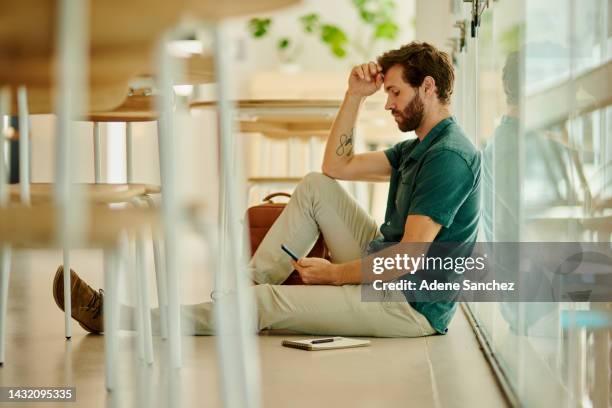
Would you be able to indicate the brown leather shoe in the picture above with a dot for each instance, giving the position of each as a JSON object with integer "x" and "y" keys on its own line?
{"x": 86, "y": 303}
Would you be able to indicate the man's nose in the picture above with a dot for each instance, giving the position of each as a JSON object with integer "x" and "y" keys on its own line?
{"x": 389, "y": 105}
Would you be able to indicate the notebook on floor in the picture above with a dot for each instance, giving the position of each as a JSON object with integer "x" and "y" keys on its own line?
{"x": 326, "y": 343}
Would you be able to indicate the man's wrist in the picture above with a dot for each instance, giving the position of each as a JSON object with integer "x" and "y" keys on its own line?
{"x": 338, "y": 274}
{"x": 354, "y": 96}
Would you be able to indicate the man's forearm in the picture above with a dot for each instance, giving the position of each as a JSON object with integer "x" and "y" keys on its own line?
{"x": 339, "y": 147}
{"x": 349, "y": 273}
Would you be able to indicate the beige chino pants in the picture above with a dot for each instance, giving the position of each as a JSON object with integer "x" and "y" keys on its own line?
{"x": 318, "y": 205}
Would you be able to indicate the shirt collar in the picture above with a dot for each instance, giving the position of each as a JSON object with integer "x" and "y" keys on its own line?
{"x": 433, "y": 134}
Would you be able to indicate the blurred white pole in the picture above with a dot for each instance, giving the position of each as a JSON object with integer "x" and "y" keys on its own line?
{"x": 72, "y": 86}
{"x": 160, "y": 276}
{"x": 142, "y": 287}
{"x": 170, "y": 202}
{"x": 112, "y": 270}
{"x": 24, "y": 146}
{"x": 97, "y": 153}
{"x": 235, "y": 314}
{"x": 5, "y": 249}
{"x": 4, "y": 176}
{"x": 129, "y": 148}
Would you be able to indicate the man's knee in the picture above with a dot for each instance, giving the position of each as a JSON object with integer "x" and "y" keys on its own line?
{"x": 315, "y": 181}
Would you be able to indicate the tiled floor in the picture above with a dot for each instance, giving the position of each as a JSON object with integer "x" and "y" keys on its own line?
{"x": 439, "y": 371}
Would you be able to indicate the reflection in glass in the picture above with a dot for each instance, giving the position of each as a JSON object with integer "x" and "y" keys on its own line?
{"x": 535, "y": 92}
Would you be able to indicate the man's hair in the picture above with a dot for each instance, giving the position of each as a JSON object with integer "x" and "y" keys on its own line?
{"x": 419, "y": 60}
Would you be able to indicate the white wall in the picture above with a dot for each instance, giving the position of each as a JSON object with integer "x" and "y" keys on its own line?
{"x": 434, "y": 22}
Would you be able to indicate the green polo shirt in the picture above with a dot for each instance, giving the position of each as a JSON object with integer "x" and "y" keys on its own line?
{"x": 438, "y": 177}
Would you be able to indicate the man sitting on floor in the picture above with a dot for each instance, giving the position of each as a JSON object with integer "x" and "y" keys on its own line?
{"x": 434, "y": 196}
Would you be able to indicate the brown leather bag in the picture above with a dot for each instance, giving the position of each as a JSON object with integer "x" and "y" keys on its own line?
{"x": 262, "y": 216}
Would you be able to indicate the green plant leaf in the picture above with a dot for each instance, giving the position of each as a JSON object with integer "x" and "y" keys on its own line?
{"x": 388, "y": 7}
{"x": 387, "y": 30}
{"x": 375, "y": 12}
{"x": 310, "y": 22}
{"x": 339, "y": 52}
{"x": 367, "y": 16}
{"x": 332, "y": 34}
{"x": 259, "y": 27}
{"x": 283, "y": 43}
{"x": 335, "y": 38}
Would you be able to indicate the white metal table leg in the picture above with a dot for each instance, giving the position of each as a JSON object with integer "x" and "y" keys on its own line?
{"x": 129, "y": 148}
{"x": 235, "y": 314}
{"x": 4, "y": 106}
{"x": 170, "y": 209}
{"x": 160, "y": 276}
{"x": 67, "y": 296}
{"x": 5, "y": 250}
{"x": 24, "y": 182}
{"x": 132, "y": 266}
{"x": 72, "y": 51}
{"x": 223, "y": 181}
{"x": 97, "y": 153}
{"x": 142, "y": 287}
{"x": 5, "y": 265}
{"x": 144, "y": 307}
{"x": 112, "y": 270}
{"x": 24, "y": 146}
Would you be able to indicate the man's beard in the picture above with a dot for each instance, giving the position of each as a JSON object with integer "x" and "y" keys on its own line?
{"x": 412, "y": 115}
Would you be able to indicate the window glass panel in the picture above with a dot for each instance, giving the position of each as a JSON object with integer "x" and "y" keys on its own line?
{"x": 537, "y": 80}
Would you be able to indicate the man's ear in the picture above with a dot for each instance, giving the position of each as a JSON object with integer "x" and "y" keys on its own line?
{"x": 429, "y": 86}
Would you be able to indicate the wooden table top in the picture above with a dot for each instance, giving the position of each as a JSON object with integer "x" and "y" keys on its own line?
{"x": 95, "y": 193}
{"x": 122, "y": 41}
{"x": 137, "y": 107}
{"x": 110, "y": 98}
{"x": 102, "y": 97}
{"x": 275, "y": 104}
{"x": 121, "y": 38}
{"x": 34, "y": 226}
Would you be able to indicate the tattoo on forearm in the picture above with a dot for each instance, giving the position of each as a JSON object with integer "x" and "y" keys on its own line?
{"x": 346, "y": 144}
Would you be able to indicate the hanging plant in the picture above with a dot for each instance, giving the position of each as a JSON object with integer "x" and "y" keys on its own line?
{"x": 377, "y": 15}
